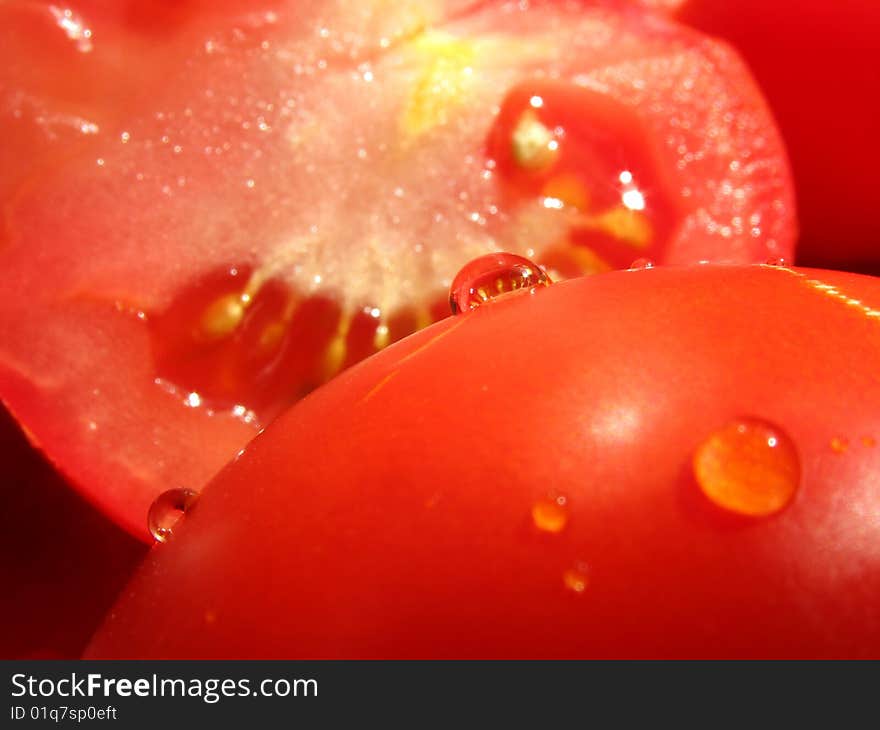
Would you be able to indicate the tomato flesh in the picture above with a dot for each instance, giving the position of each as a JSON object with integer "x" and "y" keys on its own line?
{"x": 350, "y": 176}
{"x": 598, "y": 166}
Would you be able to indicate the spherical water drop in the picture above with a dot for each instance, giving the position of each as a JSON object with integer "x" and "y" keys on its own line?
{"x": 641, "y": 264}
{"x": 776, "y": 262}
{"x": 550, "y": 514}
{"x": 749, "y": 466}
{"x": 490, "y": 276}
{"x": 166, "y": 511}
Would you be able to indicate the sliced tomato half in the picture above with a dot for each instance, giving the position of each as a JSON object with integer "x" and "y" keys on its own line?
{"x": 227, "y": 207}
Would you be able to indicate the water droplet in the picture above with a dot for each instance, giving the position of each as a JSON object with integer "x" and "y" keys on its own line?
{"x": 749, "y": 466}
{"x": 839, "y": 445}
{"x": 576, "y": 579}
{"x": 550, "y": 514}
{"x": 776, "y": 262}
{"x": 640, "y": 264}
{"x": 166, "y": 511}
{"x": 490, "y": 276}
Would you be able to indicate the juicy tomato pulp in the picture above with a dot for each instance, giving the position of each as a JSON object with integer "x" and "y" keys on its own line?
{"x": 197, "y": 254}
{"x": 577, "y": 503}
{"x": 598, "y": 166}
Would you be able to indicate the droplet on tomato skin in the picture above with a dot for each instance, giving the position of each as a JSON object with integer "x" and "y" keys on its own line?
{"x": 167, "y": 510}
{"x": 550, "y": 514}
{"x": 488, "y": 277}
{"x": 641, "y": 264}
{"x": 576, "y": 579}
{"x": 776, "y": 262}
{"x": 749, "y": 467}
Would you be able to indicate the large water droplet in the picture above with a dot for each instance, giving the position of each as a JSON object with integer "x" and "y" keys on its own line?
{"x": 490, "y": 276}
{"x": 550, "y": 514}
{"x": 749, "y": 466}
{"x": 166, "y": 511}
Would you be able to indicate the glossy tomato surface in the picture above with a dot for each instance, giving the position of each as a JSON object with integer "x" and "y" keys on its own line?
{"x": 211, "y": 208}
{"x": 519, "y": 481}
{"x": 816, "y": 63}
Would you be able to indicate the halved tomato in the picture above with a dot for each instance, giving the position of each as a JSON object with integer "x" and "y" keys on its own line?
{"x": 655, "y": 463}
{"x": 227, "y": 207}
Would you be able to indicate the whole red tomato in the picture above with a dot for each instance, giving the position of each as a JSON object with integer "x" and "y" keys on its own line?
{"x": 663, "y": 462}
{"x": 185, "y": 258}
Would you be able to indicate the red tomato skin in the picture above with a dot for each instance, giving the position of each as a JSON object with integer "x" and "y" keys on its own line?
{"x": 389, "y": 513}
{"x": 819, "y": 77}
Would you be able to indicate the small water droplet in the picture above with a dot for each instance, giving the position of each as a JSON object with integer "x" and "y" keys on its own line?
{"x": 550, "y": 514}
{"x": 749, "y": 466}
{"x": 490, "y": 276}
{"x": 640, "y": 264}
{"x": 576, "y": 579}
{"x": 166, "y": 511}
{"x": 779, "y": 261}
